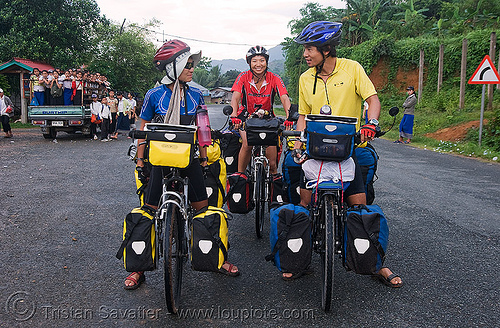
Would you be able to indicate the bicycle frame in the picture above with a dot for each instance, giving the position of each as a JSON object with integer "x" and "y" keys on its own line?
{"x": 260, "y": 159}
{"x": 177, "y": 199}
{"x": 319, "y": 219}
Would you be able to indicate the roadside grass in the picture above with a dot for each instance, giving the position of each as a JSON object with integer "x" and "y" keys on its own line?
{"x": 437, "y": 112}
{"x": 19, "y": 125}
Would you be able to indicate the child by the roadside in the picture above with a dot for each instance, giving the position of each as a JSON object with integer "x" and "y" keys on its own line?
{"x": 106, "y": 120}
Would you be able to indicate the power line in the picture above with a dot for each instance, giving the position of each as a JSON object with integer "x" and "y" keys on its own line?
{"x": 198, "y": 40}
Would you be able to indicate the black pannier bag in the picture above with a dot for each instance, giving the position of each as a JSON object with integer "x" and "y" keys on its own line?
{"x": 262, "y": 131}
{"x": 138, "y": 246}
{"x": 239, "y": 193}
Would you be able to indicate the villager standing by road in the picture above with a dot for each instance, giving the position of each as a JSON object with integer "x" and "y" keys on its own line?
{"x": 107, "y": 118}
{"x": 113, "y": 105}
{"x": 406, "y": 125}
{"x": 5, "y": 115}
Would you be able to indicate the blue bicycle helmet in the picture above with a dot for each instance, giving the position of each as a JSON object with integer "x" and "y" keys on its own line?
{"x": 320, "y": 33}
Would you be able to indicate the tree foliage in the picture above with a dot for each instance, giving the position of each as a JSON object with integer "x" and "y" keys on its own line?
{"x": 125, "y": 56}
{"x": 57, "y": 31}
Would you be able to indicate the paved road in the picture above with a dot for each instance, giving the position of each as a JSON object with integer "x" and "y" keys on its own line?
{"x": 61, "y": 211}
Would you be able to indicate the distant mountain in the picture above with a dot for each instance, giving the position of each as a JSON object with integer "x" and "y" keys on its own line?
{"x": 276, "y": 62}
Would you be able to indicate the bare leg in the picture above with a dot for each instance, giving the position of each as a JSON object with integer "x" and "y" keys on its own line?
{"x": 245, "y": 153}
{"x": 272, "y": 154}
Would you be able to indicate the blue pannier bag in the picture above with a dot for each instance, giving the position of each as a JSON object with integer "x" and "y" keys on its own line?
{"x": 290, "y": 238}
{"x": 367, "y": 159}
{"x": 366, "y": 235}
{"x": 291, "y": 178}
{"x": 330, "y": 138}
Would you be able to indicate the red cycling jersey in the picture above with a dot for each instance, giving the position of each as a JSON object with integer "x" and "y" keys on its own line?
{"x": 251, "y": 98}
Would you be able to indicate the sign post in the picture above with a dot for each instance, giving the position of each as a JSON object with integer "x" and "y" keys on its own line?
{"x": 485, "y": 73}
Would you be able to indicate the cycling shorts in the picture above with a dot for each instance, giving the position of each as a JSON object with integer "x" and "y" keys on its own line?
{"x": 356, "y": 186}
{"x": 196, "y": 189}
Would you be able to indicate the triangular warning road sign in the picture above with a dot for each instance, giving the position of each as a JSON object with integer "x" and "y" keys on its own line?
{"x": 485, "y": 73}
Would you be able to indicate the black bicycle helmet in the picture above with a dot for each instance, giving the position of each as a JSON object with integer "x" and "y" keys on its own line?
{"x": 257, "y": 51}
{"x": 320, "y": 33}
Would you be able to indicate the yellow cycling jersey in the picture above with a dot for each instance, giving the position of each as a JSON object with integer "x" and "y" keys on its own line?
{"x": 344, "y": 90}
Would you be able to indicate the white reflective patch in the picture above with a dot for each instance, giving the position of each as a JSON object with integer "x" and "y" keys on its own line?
{"x": 279, "y": 198}
{"x": 139, "y": 246}
{"x": 205, "y": 246}
{"x": 209, "y": 191}
{"x": 229, "y": 160}
{"x": 169, "y": 136}
{"x": 236, "y": 197}
{"x": 330, "y": 128}
{"x": 361, "y": 245}
{"x": 298, "y": 190}
{"x": 262, "y": 135}
{"x": 331, "y": 141}
{"x": 295, "y": 244}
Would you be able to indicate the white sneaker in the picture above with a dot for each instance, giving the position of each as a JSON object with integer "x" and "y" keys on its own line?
{"x": 104, "y": 140}
{"x": 95, "y": 137}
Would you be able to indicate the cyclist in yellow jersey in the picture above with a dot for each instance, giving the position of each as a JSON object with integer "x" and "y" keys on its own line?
{"x": 336, "y": 86}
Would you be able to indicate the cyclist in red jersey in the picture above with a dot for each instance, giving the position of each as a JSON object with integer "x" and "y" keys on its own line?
{"x": 255, "y": 89}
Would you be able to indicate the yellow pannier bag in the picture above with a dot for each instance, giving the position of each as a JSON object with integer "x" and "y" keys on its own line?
{"x": 209, "y": 239}
{"x": 171, "y": 145}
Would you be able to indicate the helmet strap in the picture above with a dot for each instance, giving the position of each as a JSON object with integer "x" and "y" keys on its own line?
{"x": 256, "y": 78}
{"x": 319, "y": 68}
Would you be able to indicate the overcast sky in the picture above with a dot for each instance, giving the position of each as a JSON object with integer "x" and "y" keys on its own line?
{"x": 248, "y": 22}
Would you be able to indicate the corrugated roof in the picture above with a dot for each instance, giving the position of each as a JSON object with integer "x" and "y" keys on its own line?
{"x": 26, "y": 64}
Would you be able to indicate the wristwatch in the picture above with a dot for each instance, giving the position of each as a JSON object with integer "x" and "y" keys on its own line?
{"x": 373, "y": 121}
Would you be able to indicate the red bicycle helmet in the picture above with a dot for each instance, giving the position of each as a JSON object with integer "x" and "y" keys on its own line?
{"x": 168, "y": 52}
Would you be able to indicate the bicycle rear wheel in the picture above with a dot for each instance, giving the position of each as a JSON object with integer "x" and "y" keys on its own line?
{"x": 260, "y": 200}
{"x": 175, "y": 256}
{"x": 327, "y": 254}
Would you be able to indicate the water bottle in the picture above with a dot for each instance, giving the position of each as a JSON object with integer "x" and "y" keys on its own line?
{"x": 203, "y": 123}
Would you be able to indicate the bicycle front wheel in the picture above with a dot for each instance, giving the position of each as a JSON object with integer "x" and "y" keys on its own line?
{"x": 259, "y": 198}
{"x": 175, "y": 256}
{"x": 327, "y": 252}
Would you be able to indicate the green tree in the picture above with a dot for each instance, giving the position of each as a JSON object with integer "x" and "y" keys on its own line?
{"x": 56, "y": 31}
{"x": 126, "y": 57}
{"x": 228, "y": 78}
{"x": 294, "y": 63}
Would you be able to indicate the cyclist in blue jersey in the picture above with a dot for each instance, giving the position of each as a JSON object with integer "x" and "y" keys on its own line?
{"x": 173, "y": 96}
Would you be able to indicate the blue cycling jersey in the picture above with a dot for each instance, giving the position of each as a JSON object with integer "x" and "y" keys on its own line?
{"x": 156, "y": 103}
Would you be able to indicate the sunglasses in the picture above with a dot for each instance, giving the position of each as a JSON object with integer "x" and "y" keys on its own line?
{"x": 189, "y": 65}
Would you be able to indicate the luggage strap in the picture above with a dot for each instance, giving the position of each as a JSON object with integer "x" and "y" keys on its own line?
{"x": 126, "y": 238}
{"x": 371, "y": 235}
{"x": 215, "y": 238}
{"x": 288, "y": 216}
{"x": 219, "y": 184}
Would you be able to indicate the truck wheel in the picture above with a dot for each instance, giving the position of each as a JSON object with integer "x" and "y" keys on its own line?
{"x": 51, "y": 133}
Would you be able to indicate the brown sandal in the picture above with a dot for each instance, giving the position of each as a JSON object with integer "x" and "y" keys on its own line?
{"x": 137, "y": 283}
{"x": 230, "y": 271}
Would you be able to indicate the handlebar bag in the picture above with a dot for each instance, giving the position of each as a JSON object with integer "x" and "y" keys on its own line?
{"x": 172, "y": 146}
{"x": 138, "y": 245}
{"x": 209, "y": 240}
{"x": 262, "y": 132}
{"x": 330, "y": 138}
{"x": 366, "y": 237}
